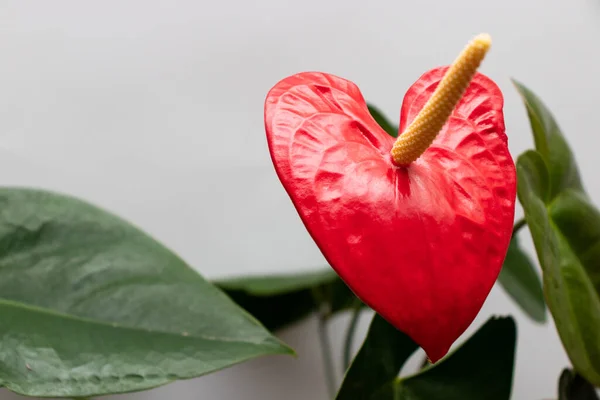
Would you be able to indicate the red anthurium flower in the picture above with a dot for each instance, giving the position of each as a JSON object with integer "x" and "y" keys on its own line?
{"x": 417, "y": 227}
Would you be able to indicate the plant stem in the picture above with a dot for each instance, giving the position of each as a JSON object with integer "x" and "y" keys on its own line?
{"x": 350, "y": 336}
{"x": 322, "y": 297}
{"x": 326, "y": 351}
{"x": 518, "y": 225}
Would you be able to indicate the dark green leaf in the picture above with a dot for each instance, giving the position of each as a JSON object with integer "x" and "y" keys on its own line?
{"x": 572, "y": 386}
{"x": 341, "y": 298}
{"x": 280, "y": 300}
{"x": 520, "y": 280}
{"x": 570, "y": 294}
{"x": 551, "y": 144}
{"x": 381, "y": 119}
{"x": 91, "y": 305}
{"x": 276, "y": 284}
{"x": 377, "y": 363}
{"x": 482, "y": 368}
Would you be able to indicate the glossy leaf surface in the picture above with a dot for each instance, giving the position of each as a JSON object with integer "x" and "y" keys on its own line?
{"x": 482, "y": 368}
{"x": 91, "y": 305}
{"x": 417, "y": 236}
{"x": 570, "y": 294}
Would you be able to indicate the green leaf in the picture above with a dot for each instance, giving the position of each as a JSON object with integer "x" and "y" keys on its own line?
{"x": 572, "y": 386}
{"x": 378, "y": 362}
{"x": 90, "y": 305}
{"x": 283, "y": 299}
{"x": 551, "y": 144}
{"x": 579, "y": 221}
{"x": 382, "y": 120}
{"x": 482, "y": 368}
{"x": 276, "y": 284}
{"x": 520, "y": 280}
{"x": 566, "y": 236}
{"x": 569, "y": 292}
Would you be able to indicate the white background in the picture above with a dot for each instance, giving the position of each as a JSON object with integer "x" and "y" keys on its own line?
{"x": 154, "y": 110}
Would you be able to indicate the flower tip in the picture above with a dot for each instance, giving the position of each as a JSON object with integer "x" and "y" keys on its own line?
{"x": 483, "y": 40}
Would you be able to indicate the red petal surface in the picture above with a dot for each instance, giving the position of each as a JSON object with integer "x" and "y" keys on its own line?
{"x": 421, "y": 245}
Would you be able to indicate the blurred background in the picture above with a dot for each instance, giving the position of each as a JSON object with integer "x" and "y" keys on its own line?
{"x": 153, "y": 110}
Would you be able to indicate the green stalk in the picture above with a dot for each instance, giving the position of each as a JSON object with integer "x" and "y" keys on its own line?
{"x": 350, "y": 336}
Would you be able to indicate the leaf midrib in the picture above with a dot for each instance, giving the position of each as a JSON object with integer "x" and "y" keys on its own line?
{"x": 114, "y": 325}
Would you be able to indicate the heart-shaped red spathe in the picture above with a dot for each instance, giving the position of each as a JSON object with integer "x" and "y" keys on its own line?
{"x": 422, "y": 245}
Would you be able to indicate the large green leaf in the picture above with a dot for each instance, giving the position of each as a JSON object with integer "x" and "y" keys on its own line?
{"x": 572, "y": 386}
{"x": 382, "y": 120}
{"x": 551, "y": 144}
{"x": 282, "y": 299}
{"x": 570, "y": 294}
{"x": 520, "y": 280}
{"x": 90, "y": 305}
{"x": 482, "y": 368}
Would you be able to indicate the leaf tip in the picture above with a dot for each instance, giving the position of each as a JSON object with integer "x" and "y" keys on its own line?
{"x": 504, "y": 320}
